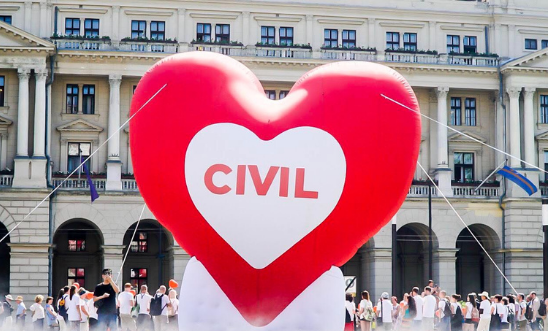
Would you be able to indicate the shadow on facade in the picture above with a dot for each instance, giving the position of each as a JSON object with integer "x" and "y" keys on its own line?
{"x": 4, "y": 262}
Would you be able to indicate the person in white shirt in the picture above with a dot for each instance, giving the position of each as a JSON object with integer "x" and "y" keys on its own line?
{"x": 485, "y": 312}
{"x": 160, "y": 321}
{"x": 144, "y": 321}
{"x": 468, "y": 324}
{"x": 126, "y": 302}
{"x": 417, "y": 321}
{"x": 74, "y": 311}
{"x": 445, "y": 319}
{"x": 173, "y": 311}
{"x": 92, "y": 313}
{"x": 428, "y": 310}
{"x": 384, "y": 311}
{"x": 365, "y": 311}
{"x": 38, "y": 313}
{"x": 84, "y": 326}
{"x": 521, "y": 323}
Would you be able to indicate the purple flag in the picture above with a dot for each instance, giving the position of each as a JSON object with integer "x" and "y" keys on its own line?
{"x": 92, "y": 188}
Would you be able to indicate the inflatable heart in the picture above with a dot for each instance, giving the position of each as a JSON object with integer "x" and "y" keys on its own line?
{"x": 269, "y": 195}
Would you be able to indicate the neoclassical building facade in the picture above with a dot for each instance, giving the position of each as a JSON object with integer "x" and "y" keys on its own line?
{"x": 68, "y": 70}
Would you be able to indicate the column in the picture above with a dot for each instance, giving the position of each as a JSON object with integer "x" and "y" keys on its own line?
{"x": 43, "y": 19}
{"x": 499, "y": 128}
{"x": 245, "y": 28}
{"x": 529, "y": 125}
{"x": 28, "y": 16}
{"x": 444, "y": 269}
{"x": 22, "y": 171}
{"x": 181, "y": 25}
{"x": 377, "y": 271}
{"x": 432, "y": 35}
{"x": 443, "y": 172}
{"x": 4, "y": 156}
{"x": 113, "y": 257}
{"x": 514, "y": 126}
{"x": 39, "y": 162}
{"x": 310, "y": 29}
{"x": 114, "y": 165}
{"x": 371, "y": 32}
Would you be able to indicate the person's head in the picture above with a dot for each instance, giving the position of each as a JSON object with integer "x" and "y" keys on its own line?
{"x": 405, "y": 296}
{"x": 144, "y": 289}
{"x": 394, "y": 301}
{"x": 39, "y": 298}
{"x": 428, "y": 290}
{"x": 385, "y": 296}
{"x": 412, "y": 306}
{"x": 521, "y": 297}
{"x": 505, "y": 301}
{"x": 511, "y": 299}
{"x": 431, "y": 283}
{"x": 106, "y": 273}
{"x": 471, "y": 298}
{"x": 9, "y": 298}
{"x": 349, "y": 297}
{"x": 498, "y": 298}
{"x": 19, "y": 299}
{"x": 528, "y": 298}
{"x": 455, "y": 298}
{"x": 484, "y": 295}
{"x": 162, "y": 289}
{"x": 415, "y": 291}
{"x": 66, "y": 289}
{"x": 127, "y": 287}
{"x": 365, "y": 295}
{"x": 443, "y": 294}
{"x": 49, "y": 300}
{"x": 533, "y": 295}
{"x": 172, "y": 294}
{"x": 72, "y": 291}
{"x": 82, "y": 293}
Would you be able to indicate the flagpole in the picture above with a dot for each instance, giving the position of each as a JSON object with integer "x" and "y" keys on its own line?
{"x": 491, "y": 174}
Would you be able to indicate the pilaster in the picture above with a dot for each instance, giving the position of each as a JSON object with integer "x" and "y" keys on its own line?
{"x": 112, "y": 259}
{"x": 444, "y": 268}
{"x": 114, "y": 165}
{"x": 376, "y": 271}
{"x": 246, "y": 27}
{"x": 22, "y": 164}
{"x": 443, "y": 172}
{"x": 29, "y": 269}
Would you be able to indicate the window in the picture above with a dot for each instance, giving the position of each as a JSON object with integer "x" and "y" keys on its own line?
{"x": 464, "y": 167}
{"x": 72, "y": 99}
{"x": 140, "y": 245}
{"x": 5, "y": 18}
{"x": 76, "y": 275}
{"x": 91, "y": 27}
{"x": 203, "y": 32}
{"x": 470, "y": 44}
{"x": 268, "y": 35}
{"x": 158, "y": 30}
{"x": 349, "y": 38}
{"x": 392, "y": 40}
{"x": 77, "y": 242}
{"x": 88, "y": 99}
{"x": 453, "y": 44}
{"x": 410, "y": 42}
{"x": 531, "y": 44}
{"x": 283, "y": 94}
{"x": 2, "y": 90}
{"x": 72, "y": 26}
{"x": 138, "y": 29}
{"x": 545, "y": 165}
{"x": 456, "y": 111}
{"x": 138, "y": 277}
{"x": 286, "y": 36}
{"x": 470, "y": 112}
{"x": 544, "y": 109}
{"x": 544, "y": 44}
{"x": 330, "y": 38}
{"x": 222, "y": 33}
{"x": 75, "y": 152}
{"x": 271, "y": 94}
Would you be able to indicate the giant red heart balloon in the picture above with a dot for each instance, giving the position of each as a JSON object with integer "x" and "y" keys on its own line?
{"x": 334, "y": 125}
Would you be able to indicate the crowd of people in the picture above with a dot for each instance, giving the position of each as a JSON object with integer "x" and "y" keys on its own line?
{"x": 105, "y": 309}
{"x": 433, "y": 309}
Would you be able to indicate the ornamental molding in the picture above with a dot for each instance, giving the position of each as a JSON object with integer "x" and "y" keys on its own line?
{"x": 9, "y": 8}
{"x": 341, "y": 21}
{"x": 4, "y": 123}
{"x": 166, "y": 13}
{"x": 399, "y": 24}
{"x": 79, "y": 125}
{"x": 461, "y": 28}
{"x": 460, "y": 138}
{"x": 542, "y": 136}
{"x": 83, "y": 10}
{"x": 292, "y": 19}
{"x": 214, "y": 16}
{"x": 529, "y": 60}
{"x": 36, "y": 43}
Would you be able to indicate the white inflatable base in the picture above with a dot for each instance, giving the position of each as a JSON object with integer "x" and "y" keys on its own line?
{"x": 203, "y": 306}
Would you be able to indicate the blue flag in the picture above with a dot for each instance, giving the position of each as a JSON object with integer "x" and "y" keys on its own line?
{"x": 92, "y": 188}
{"x": 518, "y": 179}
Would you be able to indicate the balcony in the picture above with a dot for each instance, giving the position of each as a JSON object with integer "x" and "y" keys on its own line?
{"x": 411, "y": 57}
{"x": 488, "y": 190}
{"x": 6, "y": 180}
{"x": 349, "y": 54}
{"x": 473, "y": 60}
{"x": 81, "y": 184}
{"x": 148, "y": 46}
{"x": 225, "y": 49}
{"x": 293, "y": 52}
{"x": 83, "y": 44}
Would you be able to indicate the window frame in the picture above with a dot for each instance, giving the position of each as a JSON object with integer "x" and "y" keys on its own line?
{"x": 528, "y": 46}
{"x": 93, "y": 32}
{"x": 75, "y": 278}
{"x": 285, "y": 39}
{"x": 456, "y": 111}
{"x": 459, "y": 169}
{"x": 80, "y": 241}
{"x": 160, "y": 34}
{"x": 200, "y": 35}
{"x": 87, "y": 95}
{"x": 392, "y": 44}
{"x": 451, "y": 45}
{"x": 140, "y": 280}
{"x": 137, "y": 33}
{"x": 283, "y": 94}
{"x": 270, "y": 94}
{"x": 543, "y": 108}
{"x": 330, "y": 40}
{"x": 222, "y": 37}
{"x": 2, "y": 90}
{"x": 75, "y": 98}
{"x": 410, "y": 45}
{"x": 6, "y": 18}
{"x": 470, "y": 44}
{"x": 77, "y": 158}
{"x": 72, "y": 29}
{"x": 139, "y": 243}
{"x": 470, "y": 112}
{"x": 347, "y": 40}
{"x": 268, "y": 35}
{"x": 544, "y": 43}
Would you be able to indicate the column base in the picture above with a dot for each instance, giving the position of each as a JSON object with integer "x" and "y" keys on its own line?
{"x": 114, "y": 175}
{"x": 38, "y": 172}
{"x": 514, "y": 191}
{"x": 443, "y": 175}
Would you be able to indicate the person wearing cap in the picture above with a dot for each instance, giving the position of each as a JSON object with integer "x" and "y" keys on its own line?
{"x": 7, "y": 310}
{"x": 485, "y": 312}
{"x": 21, "y": 313}
{"x": 104, "y": 297}
{"x": 126, "y": 303}
{"x": 384, "y": 311}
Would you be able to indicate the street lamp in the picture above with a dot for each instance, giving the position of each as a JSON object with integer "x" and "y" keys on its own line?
{"x": 394, "y": 253}
{"x": 545, "y": 245}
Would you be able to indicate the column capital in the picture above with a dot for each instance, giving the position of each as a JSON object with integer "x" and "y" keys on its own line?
{"x": 309, "y": 17}
{"x": 115, "y": 79}
{"x": 116, "y": 8}
{"x": 528, "y": 92}
{"x": 246, "y": 13}
{"x": 43, "y": 5}
{"x": 28, "y": 4}
{"x": 23, "y": 73}
{"x": 513, "y": 92}
{"x": 181, "y": 11}
{"x": 371, "y": 20}
{"x": 441, "y": 92}
{"x": 40, "y": 74}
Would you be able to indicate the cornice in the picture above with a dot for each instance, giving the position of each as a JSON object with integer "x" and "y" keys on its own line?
{"x": 166, "y": 13}
{"x": 83, "y": 10}
{"x": 294, "y": 19}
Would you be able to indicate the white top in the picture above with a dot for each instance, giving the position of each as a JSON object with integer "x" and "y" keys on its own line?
{"x": 519, "y": 315}
{"x": 73, "y": 306}
{"x": 429, "y": 306}
{"x": 92, "y": 311}
{"x": 143, "y": 300}
{"x": 350, "y": 307}
{"x": 38, "y": 311}
{"x": 387, "y": 309}
{"x": 418, "y": 302}
{"x": 84, "y": 307}
{"x": 365, "y": 303}
{"x": 454, "y": 306}
{"x": 441, "y": 306}
{"x": 174, "y": 309}
{"x": 502, "y": 310}
{"x": 125, "y": 299}
{"x": 469, "y": 308}
{"x": 485, "y": 305}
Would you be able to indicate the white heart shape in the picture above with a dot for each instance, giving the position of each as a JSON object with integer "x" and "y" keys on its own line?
{"x": 260, "y": 228}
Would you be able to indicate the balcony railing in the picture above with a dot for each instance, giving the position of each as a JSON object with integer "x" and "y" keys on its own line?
{"x": 6, "y": 180}
{"x": 471, "y": 60}
{"x": 281, "y": 52}
{"x": 100, "y": 184}
{"x": 419, "y": 190}
{"x": 83, "y": 44}
{"x": 231, "y": 50}
{"x": 411, "y": 58}
{"x": 148, "y": 47}
{"x": 129, "y": 185}
{"x": 460, "y": 191}
{"x": 348, "y": 54}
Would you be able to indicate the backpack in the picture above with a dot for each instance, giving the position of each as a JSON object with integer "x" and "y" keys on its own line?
{"x": 529, "y": 311}
{"x": 62, "y": 306}
{"x": 156, "y": 305}
{"x": 8, "y": 310}
{"x": 475, "y": 315}
{"x": 542, "y": 308}
{"x": 447, "y": 308}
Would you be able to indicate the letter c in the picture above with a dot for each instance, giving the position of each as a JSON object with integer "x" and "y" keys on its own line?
{"x": 208, "y": 178}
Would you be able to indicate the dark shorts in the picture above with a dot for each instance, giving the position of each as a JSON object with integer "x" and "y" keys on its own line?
{"x": 106, "y": 321}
